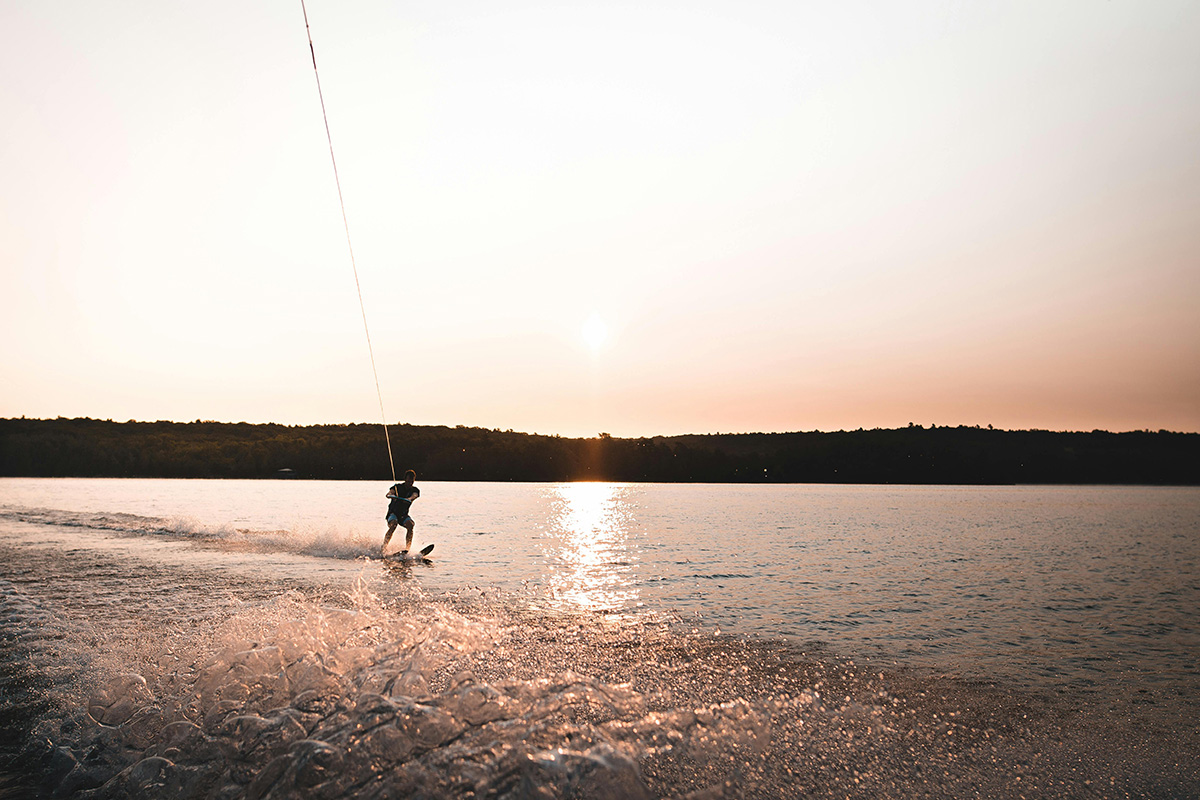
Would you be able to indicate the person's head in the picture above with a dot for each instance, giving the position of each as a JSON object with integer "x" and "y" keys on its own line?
{"x": 410, "y": 476}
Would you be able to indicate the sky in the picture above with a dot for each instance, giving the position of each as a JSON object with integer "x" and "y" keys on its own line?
{"x": 637, "y": 218}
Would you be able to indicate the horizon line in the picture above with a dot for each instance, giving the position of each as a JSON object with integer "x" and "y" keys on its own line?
{"x": 602, "y": 434}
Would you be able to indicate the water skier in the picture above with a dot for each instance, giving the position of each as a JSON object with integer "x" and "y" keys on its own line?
{"x": 402, "y": 496}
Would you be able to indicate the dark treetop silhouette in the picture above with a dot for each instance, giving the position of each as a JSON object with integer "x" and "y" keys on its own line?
{"x": 935, "y": 455}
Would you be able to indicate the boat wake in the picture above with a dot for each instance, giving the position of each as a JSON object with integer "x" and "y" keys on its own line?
{"x": 289, "y": 697}
{"x": 329, "y": 543}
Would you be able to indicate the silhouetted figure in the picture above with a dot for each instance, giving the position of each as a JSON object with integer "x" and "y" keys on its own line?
{"x": 402, "y": 496}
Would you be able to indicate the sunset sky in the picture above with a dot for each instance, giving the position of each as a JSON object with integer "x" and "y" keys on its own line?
{"x": 633, "y": 217}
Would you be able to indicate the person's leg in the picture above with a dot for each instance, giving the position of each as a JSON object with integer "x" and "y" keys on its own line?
{"x": 387, "y": 537}
{"x": 409, "y": 524}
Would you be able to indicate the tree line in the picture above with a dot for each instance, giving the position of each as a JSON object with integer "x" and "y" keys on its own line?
{"x": 915, "y": 454}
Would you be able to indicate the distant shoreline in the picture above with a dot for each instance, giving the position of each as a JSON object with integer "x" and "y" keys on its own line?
{"x": 961, "y": 455}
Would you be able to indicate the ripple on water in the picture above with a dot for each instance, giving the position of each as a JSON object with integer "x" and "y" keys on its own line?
{"x": 148, "y": 677}
{"x": 291, "y": 695}
{"x": 294, "y": 696}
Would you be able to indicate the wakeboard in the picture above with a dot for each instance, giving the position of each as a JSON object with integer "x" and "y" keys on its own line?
{"x": 420, "y": 555}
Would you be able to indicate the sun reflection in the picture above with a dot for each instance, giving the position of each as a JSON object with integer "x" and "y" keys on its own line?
{"x": 592, "y": 525}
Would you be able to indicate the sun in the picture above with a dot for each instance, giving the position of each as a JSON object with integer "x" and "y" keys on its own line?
{"x": 595, "y": 332}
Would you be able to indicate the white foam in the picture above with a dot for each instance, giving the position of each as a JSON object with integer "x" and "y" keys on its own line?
{"x": 295, "y": 691}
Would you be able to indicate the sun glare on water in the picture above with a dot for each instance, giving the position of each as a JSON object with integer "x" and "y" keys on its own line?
{"x": 595, "y": 332}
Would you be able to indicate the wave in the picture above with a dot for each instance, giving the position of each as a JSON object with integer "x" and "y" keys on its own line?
{"x": 293, "y": 697}
{"x": 132, "y": 678}
{"x": 327, "y": 543}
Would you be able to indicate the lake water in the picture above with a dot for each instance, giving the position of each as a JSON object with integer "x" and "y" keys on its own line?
{"x": 659, "y": 639}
